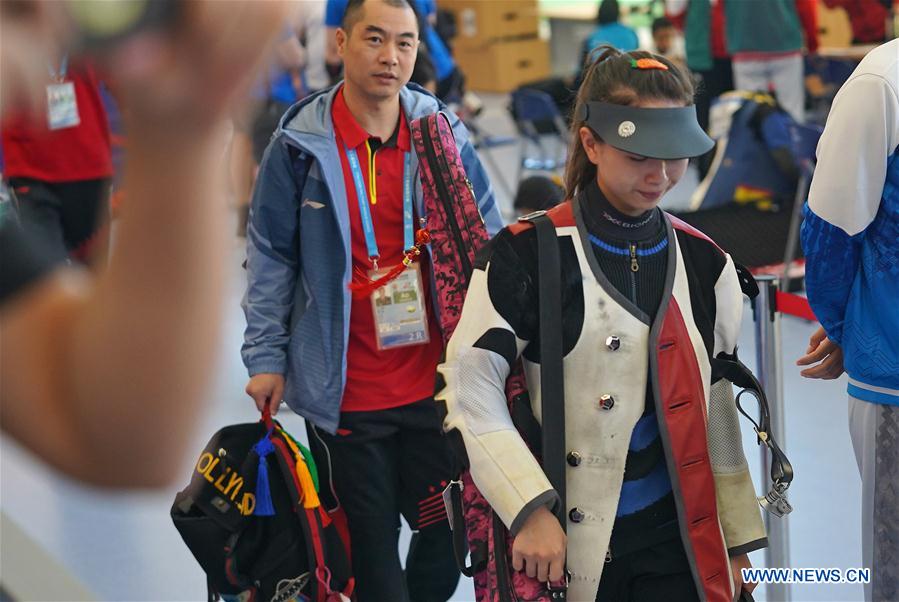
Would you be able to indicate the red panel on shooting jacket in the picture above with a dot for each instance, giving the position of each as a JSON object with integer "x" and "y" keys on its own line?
{"x": 684, "y": 416}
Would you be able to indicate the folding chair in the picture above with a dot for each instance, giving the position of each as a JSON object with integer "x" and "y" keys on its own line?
{"x": 804, "y": 143}
{"x": 537, "y": 118}
{"x": 485, "y": 144}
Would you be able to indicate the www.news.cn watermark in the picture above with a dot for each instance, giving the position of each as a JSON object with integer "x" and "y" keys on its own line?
{"x": 812, "y": 575}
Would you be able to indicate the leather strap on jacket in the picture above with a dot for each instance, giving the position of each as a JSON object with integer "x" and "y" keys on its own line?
{"x": 736, "y": 372}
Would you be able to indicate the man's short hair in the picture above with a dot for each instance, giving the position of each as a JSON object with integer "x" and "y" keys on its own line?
{"x": 353, "y": 12}
{"x": 661, "y": 23}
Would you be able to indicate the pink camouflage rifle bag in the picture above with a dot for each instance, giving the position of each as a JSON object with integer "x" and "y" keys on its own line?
{"x": 457, "y": 233}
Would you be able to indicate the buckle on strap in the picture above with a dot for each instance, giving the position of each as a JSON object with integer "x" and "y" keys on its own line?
{"x": 455, "y": 513}
{"x": 559, "y": 590}
{"x": 452, "y": 495}
{"x": 775, "y": 502}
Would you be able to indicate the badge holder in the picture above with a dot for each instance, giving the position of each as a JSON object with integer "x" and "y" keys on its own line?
{"x": 399, "y": 309}
{"x": 62, "y": 105}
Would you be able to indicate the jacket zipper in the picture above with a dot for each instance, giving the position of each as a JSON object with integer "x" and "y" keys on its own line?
{"x": 444, "y": 200}
{"x": 635, "y": 267}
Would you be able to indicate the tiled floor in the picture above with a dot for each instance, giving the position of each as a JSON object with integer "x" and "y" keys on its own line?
{"x": 124, "y": 547}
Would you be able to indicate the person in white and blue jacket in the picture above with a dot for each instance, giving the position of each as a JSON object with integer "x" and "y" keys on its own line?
{"x": 851, "y": 241}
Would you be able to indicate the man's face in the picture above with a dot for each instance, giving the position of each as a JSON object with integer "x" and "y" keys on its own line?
{"x": 379, "y": 50}
{"x": 664, "y": 39}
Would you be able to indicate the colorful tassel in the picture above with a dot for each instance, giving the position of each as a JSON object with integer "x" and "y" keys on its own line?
{"x": 264, "y": 505}
{"x": 296, "y": 446}
{"x": 362, "y": 286}
{"x": 308, "y": 489}
{"x": 310, "y": 496}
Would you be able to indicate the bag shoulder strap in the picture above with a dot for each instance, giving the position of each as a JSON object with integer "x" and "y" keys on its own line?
{"x": 552, "y": 393}
{"x": 552, "y": 385}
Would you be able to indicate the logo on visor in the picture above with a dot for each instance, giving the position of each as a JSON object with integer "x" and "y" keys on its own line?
{"x": 626, "y": 129}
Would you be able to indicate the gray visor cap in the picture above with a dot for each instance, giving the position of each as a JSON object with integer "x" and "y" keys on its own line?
{"x": 657, "y": 133}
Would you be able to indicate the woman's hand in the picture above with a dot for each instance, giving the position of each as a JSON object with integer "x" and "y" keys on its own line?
{"x": 737, "y": 563}
{"x": 539, "y": 548}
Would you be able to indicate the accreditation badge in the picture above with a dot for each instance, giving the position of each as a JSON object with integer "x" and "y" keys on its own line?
{"x": 399, "y": 309}
{"x": 62, "y": 108}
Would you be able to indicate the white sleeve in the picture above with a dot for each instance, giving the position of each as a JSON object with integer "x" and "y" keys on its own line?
{"x": 501, "y": 465}
{"x": 728, "y": 309}
{"x": 738, "y": 509}
{"x": 862, "y": 132}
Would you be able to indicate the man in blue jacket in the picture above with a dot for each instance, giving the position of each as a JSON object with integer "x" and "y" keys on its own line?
{"x": 851, "y": 242}
{"x": 336, "y": 202}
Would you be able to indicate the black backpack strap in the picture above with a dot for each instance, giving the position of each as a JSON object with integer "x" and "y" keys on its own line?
{"x": 552, "y": 386}
{"x": 552, "y": 393}
{"x": 233, "y": 572}
{"x": 552, "y": 376}
{"x": 455, "y": 513}
{"x": 211, "y": 594}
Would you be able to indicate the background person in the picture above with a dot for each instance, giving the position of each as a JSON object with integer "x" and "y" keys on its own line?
{"x": 850, "y": 236}
{"x": 766, "y": 39}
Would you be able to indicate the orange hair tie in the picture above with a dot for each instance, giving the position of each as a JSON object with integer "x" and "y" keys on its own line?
{"x": 648, "y": 64}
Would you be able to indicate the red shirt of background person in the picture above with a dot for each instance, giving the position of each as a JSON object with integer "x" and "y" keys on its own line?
{"x": 381, "y": 379}
{"x": 72, "y": 154}
{"x": 868, "y": 19}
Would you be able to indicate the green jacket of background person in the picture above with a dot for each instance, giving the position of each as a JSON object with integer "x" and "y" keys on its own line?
{"x": 697, "y": 38}
{"x": 769, "y": 26}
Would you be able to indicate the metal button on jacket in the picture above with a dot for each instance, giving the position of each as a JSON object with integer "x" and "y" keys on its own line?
{"x": 606, "y": 402}
{"x": 576, "y": 515}
{"x": 613, "y": 343}
{"x": 574, "y": 458}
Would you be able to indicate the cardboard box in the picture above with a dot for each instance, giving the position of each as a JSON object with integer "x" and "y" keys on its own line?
{"x": 481, "y": 21}
{"x": 503, "y": 65}
{"x": 834, "y": 27}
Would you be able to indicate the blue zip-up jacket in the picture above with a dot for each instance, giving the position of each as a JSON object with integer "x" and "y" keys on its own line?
{"x": 297, "y": 303}
{"x": 851, "y": 230}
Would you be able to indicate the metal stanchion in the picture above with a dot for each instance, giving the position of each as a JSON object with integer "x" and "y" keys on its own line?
{"x": 770, "y": 375}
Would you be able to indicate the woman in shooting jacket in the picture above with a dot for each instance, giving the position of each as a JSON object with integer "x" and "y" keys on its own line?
{"x": 659, "y": 500}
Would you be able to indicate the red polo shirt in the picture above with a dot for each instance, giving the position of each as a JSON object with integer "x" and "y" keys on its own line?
{"x": 82, "y": 152}
{"x": 377, "y": 380}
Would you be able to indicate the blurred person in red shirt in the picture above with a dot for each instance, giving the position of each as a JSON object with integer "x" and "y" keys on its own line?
{"x": 58, "y": 162}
